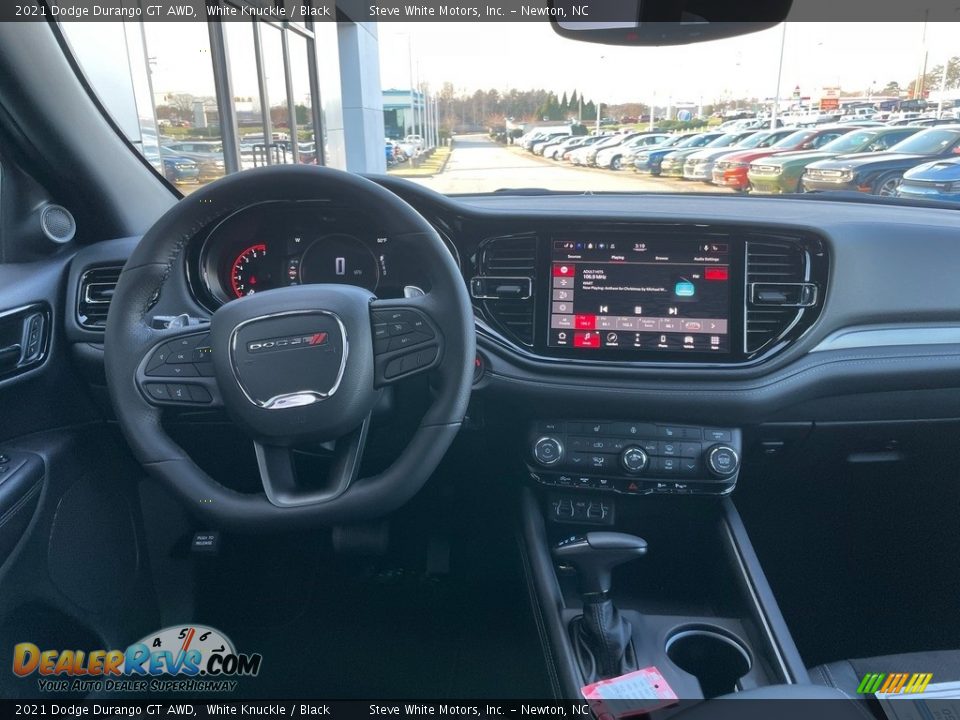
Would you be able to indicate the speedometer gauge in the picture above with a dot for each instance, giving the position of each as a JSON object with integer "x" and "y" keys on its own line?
{"x": 340, "y": 258}
{"x": 251, "y": 271}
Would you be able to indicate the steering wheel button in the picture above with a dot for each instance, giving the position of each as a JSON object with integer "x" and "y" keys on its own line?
{"x": 179, "y": 392}
{"x": 198, "y": 393}
{"x": 425, "y": 357}
{"x": 158, "y": 358}
{"x": 380, "y": 331}
{"x": 394, "y": 368}
{"x": 399, "y": 328}
{"x": 401, "y": 341}
{"x": 181, "y": 370}
{"x": 180, "y": 356}
{"x": 203, "y": 354}
{"x": 205, "y": 369}
{"x": 158, "y": 391}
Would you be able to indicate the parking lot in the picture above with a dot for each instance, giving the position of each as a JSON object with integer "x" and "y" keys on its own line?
{"x": 477, "y": 164}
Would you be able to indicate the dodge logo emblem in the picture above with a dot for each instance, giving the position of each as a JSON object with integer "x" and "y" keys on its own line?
{"x": 290, "y": 342}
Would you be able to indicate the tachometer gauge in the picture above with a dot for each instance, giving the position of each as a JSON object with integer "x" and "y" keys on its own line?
{"x": 340, "y": 258}
{"x": 251, "y": 271}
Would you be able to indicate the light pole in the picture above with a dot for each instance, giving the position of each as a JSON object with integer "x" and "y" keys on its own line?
{"x": 599, "y": 104}
{"x": 776, "y": 98}
{"x": 412, "y": 101}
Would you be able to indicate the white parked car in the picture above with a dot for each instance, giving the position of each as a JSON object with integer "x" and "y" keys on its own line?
{"x": 612, "y": 157}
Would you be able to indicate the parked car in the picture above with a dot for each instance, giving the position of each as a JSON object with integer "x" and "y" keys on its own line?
{"x": 731, "y": 171}
{"x": 555, "y": 152}
{"x": 934, "y": 121}
{"x": 699, "y": 165}
{"x": 207, "y": 154}
{"x": 415, "y": 140}
{"x": 588, "y": 141}
{"x": 175, "y": 168}
{"x": 539, "y": 135}
{"x": 880, "y": 173}
{"x": 538, "y": 147}
{"x": 588, "y": 156}
{"x": 648, "y": 161}
{"x": 937, "y": 180}
{"x": 630, "y": 154}
{"x": 612, "y": 157}
{"x": 672, "y": 165}
{"x": 781, "y": 173}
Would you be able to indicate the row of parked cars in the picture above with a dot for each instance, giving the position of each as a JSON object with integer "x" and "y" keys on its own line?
{"x": 913, "y": 160}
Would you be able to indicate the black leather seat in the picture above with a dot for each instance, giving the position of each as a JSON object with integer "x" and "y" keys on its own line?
{"x": 846, "y": 675}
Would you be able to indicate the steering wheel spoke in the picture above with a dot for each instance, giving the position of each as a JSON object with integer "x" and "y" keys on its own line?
{"x": 178, "y": 371}
{"x": 279, "y": 476}
{"x": 406, "y": 340}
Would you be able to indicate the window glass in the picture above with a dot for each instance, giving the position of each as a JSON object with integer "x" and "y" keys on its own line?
{"x": 156, "y": 80}
{"x": 271, "y": 44}
{"x": 242, "y": 60}
{"x": 180, "y": 74}
{"x": 302, "y": 99}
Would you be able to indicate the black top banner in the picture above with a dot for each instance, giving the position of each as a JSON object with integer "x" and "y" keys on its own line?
{"x": 588, "y": 13}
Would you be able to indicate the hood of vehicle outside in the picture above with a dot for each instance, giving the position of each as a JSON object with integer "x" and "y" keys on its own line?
{"x": 856, "y": 160}
{"x": 936, "y": 171}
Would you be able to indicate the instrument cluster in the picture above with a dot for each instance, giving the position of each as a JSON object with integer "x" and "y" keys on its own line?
{"x": 274, "y": 245}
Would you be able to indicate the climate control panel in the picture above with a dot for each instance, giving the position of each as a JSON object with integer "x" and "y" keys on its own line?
{"x": 634, "y": 458}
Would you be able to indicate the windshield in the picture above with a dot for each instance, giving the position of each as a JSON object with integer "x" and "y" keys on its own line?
{"x": 793, "y": 139}
{"x": 723, "y": 141}
{"x": 459, "y": 118}
{"x": 851, "y": 142}
{"x": 929, "y": 142}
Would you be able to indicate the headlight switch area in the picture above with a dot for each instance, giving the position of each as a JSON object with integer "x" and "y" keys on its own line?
{"x": 630, "y": 458}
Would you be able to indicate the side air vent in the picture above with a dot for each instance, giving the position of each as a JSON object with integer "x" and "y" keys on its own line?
{"x": 95, "y": 293}
{"x": 777, "y": 291}
{"x": 504, "y": 285}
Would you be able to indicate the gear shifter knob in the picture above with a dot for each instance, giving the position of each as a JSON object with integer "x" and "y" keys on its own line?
{"x": 596, "y": 554}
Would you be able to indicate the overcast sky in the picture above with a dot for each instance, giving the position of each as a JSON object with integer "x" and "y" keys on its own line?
{"x": 530, "y": 55}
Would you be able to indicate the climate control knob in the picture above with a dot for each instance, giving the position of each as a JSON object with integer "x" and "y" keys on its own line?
{"x": 634, "y": 459}
{"x": 722, "y": 461}
{"x": 548, "y": 451}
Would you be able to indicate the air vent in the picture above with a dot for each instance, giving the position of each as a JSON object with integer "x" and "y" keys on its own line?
{"x": 96, "y": 291}
{"x": 505, "y": 257}
{"x": 772, "y": 262}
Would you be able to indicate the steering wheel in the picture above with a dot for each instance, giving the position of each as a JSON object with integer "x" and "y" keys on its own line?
{"x": 291, "y": 365}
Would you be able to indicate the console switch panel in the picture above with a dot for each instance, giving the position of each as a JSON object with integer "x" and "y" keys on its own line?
{"x": 633, "y": 458}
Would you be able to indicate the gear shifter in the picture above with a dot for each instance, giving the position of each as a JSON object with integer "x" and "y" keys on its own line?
{"x": 602, "y": 638}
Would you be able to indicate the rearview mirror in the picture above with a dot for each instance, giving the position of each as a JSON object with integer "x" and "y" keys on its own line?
{"x": 663, "y": 22}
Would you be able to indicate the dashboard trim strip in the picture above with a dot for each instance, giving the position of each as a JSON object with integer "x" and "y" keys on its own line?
{"x": 887, "y": 336}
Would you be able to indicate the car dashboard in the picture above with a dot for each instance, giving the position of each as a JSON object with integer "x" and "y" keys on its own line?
{"x": 730, "y": 321}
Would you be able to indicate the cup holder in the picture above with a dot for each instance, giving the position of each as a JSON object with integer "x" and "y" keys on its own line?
{"x": 715, "y": 657}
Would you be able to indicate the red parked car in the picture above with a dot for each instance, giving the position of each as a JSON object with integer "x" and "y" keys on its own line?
{"x": 731, "y": 170}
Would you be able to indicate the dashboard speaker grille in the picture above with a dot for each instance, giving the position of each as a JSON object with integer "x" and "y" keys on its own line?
{"x": 96, "y": 291}
{"x": 57, "y": 224}
{"x": 514, "y": 256}
{"x": 772, "y": 262}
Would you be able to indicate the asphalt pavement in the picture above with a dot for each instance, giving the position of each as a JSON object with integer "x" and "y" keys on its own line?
{"x": 477, "y": 164}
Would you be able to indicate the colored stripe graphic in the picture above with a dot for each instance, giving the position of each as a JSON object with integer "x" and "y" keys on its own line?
{"x": 870, "y": 683}
{"x": 894, "y": 683}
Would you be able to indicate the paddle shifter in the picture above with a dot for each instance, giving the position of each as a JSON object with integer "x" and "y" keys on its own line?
{"x": 602, "y": 638}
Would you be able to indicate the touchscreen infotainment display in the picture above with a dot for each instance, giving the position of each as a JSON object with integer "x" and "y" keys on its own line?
{"x": 667, "y": 295}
